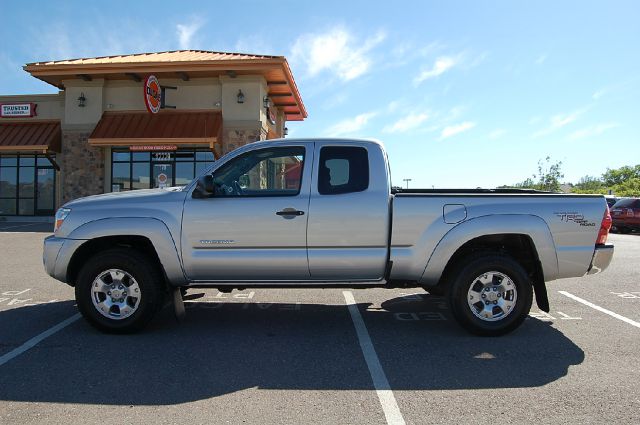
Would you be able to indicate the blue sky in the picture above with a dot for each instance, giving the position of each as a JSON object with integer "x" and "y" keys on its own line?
{"x": 463, "y": 93}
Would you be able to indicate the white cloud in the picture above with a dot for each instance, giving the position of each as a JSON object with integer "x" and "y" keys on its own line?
{"x": 409, "y": 122}
{"x": 185, "y": 32}
{"x": 350, "y": 125}
{"x": 441, "y": 65}
{"x": 497, "y": 133}
{"x": 594, "y": 130}
{"x": 558, "y": 121}
{"x": 452, "y": 130}
{"x": 541, "y": 59}
{"x": 100, "y": 37}
{"x": 335, "y": 51}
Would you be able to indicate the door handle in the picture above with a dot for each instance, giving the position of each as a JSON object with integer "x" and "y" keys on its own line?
{"x": 289, "y": 212}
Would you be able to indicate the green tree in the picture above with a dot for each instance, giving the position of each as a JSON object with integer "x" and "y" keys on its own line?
{"x": 620, "y": 175}
{"x": 547, "y": 178}
{"x": 628, "y": 188}
{"x": 589, "y": 184}
{"x": 549, "y": 175}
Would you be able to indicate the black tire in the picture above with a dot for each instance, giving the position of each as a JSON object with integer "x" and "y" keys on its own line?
{"x": 145, "y": 274}
{"x": 468, "y": 281}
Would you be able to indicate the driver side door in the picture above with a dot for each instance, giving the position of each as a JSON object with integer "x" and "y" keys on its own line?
{"x": 254, "y": 226}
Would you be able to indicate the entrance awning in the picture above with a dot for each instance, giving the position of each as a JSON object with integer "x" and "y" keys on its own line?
{"x": 165, "y": 128}
{"x": 30, "y": 136}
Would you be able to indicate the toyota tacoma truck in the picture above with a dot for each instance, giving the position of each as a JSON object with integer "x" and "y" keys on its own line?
{"x": 318, "y": 213}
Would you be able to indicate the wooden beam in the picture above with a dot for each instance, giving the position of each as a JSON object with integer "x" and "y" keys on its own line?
{"x": 52, "y": 161}
{"x": 135, "y": 77}
{"x": 85, "y": 77}
{"x": 285, "y": 104}
{"x": 277, "y": 83}
{"x": 280, "y": 94}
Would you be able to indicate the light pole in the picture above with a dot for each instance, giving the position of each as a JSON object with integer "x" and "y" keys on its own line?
{"x": 407, "y": 180}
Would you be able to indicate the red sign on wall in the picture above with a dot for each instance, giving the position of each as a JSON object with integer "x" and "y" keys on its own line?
{"x": 152, "y": 148}
{"x": 18, "y": 110}
{"x": 152, "y": 94}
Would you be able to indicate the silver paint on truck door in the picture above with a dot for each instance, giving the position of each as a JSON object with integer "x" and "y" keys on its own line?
{"x": 254, "y": 227}
{"x": 349, "y": 212}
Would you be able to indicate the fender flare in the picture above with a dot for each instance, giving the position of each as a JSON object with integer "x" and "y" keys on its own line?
{"x": 520, "y": 224}
{"x": 151, "y": 228}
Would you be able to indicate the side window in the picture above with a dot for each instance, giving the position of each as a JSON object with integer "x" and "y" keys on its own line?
{"x": 266, "y": 172}
{"x": 343, "y": 169}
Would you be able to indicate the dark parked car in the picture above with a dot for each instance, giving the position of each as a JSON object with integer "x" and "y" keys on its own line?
{"x": 626, "y": 215}
{"x": 611, "y": 200}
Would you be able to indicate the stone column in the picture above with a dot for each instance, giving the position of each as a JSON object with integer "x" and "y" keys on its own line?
{"x": 81, "y": 166}
{"x": 235, "y": 137}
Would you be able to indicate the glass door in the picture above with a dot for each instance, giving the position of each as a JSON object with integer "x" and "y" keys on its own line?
{"x": 45, "y": 190}
{"x": 162, "y": 164}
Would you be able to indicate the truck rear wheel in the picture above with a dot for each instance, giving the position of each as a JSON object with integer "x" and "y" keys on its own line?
{"x": 119, "y": 291}
{"x": 490, "y": 295}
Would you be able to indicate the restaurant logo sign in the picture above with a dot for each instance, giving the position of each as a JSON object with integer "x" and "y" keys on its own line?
{"x": 152, "y": 94}
{"x": 17, "y": 110}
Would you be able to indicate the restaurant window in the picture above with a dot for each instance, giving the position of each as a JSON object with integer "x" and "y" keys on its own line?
{"x": 149, "y": 170}
{"x": 27, "y": 185}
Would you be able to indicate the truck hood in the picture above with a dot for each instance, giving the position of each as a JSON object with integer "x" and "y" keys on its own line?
{"x": 128, "y": 197}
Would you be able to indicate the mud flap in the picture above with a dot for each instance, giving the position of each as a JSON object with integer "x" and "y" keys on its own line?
{"x": 540, "y": 289}
{"x": 178, "y": 305}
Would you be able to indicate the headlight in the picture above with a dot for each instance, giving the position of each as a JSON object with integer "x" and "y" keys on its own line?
{"x": 61, "y": 214}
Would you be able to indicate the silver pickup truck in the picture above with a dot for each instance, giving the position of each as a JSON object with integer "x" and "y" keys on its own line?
{"x": 319, "y": 213}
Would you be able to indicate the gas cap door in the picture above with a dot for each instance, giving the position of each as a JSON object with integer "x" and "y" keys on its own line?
{"x": 454, "y": 213}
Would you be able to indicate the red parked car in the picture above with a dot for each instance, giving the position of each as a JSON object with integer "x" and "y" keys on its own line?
{"x": 626, "y": 215}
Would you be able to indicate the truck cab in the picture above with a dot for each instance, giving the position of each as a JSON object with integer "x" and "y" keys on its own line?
{"x": 303, "y": 211}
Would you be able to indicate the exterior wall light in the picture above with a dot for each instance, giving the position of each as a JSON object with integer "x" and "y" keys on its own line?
{"x": 266, "y": 102}
{"x": 240, "y": 96}
{"x": 81, "y": 100}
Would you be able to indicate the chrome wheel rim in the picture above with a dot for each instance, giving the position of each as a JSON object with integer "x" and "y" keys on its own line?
{"x": 492, "y": 296}
{"x": 115, "y": 294}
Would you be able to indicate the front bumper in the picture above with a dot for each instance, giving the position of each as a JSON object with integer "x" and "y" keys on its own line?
{"x": 601, "y": 259}
{"x": 57, "y": 253}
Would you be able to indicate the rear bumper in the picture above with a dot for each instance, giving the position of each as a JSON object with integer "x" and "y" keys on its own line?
{"x": 626, "y": 223}
{"x": 601, "y": 259}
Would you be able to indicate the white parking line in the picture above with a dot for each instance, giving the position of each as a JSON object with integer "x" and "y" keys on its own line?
{"x": 604, "y": 310}
{"x": 380, "y": 382}
{"x": 37, "y": 339}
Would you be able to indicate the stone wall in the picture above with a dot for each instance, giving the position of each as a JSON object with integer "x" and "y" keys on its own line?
{"x": 82, "y": 166}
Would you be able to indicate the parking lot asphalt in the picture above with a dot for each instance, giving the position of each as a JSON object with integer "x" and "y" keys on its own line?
{"x": 295, "y": 356}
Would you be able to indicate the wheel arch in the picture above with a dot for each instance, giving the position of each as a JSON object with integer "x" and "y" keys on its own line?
{"x": 527, "y": 236}
{"x": 147, "y": 235}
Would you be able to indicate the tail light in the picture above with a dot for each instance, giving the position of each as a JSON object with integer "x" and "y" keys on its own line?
{"x": 605, "y": 226}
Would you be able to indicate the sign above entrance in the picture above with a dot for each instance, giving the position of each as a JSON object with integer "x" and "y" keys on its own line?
{"x": 153, "y": 148}
{"x": 18, "y": 110}
{"x": 152, "y": 94}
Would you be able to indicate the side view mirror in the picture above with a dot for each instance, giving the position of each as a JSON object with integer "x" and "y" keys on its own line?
{"x": 204, "y": 187}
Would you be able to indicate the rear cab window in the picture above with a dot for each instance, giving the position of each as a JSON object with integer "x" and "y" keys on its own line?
{"x": 343, "y": 169}
{"x": 627, "y": 203}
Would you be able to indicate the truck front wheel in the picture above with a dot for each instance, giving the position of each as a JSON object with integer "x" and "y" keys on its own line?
{"x": 119, "y": 291}
{"x": 491, "y": 294}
